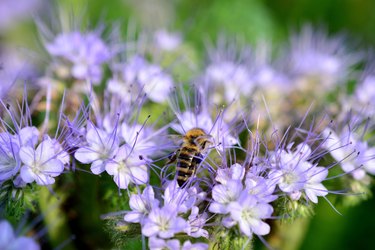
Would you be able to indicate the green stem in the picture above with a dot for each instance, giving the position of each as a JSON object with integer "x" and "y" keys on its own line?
{"x": 289, "y": 235}
{"x": 54, "y": 218}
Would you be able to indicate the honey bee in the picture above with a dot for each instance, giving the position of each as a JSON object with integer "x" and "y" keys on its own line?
{"x": 195, "y": 144}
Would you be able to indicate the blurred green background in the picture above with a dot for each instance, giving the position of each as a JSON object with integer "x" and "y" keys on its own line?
{"x": 250, "y": 20}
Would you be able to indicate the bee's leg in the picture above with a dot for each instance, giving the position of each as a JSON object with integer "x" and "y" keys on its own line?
{"x": 173, "y": 156}
{"x": 198, "y": 157}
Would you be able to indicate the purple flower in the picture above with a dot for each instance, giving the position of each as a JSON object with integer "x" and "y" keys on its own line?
{"x": 28, "y": 136}
{"x": 181, "y": 198}
{"x": 261, "y": 188}
{"x": 196, "y": 223}
{"x": 141, "y": 205}
{"x": 9, "y": 241}
{"x": 127, "y": 168}
{"x": 11, "y": 12}
{"x": 86, "y": 52}
{"x": 163, "y": 222}
{"x": 141, "y": 138}
{"x": 10, "y": 162}
{"x": 313, "y": 186}
{"x": 365, "y": 91}
{"x": 313, "y": 55}
{"x": 342, "y": 147}
{"x": 60, "y": 153}
{"x": 236, "y": 172}
{"x": 265, "y": 72}
{"x": 132, "y": 68}
{"x": 249, "y": 213}
{"x": 223, "y": 195}
{"x": 140, "y": 76}
{"x": 194, "y": 246}
{"x": 227, "y": 75}
{"x": 166, "y": 40}
{"x": 234, "y": 79}
{"x": 125, "y": 83}
{"x": 155, "y": 243}
{"x": 14, "y": 66}
{"x": 11, "y": 145}
{"x": 155, "y": 83}
{"x": 294, "y": 173}
{"x": 101, "y": 147}
{"x": 40, "y": 164}
{"x": 127, "y": 91}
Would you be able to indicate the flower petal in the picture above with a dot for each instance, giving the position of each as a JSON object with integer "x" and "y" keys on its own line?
{"x": 27, "y": 174}
{"x": 28, "y": 136}
{"x": 97, "y": 167}
{"x": 6, "y": 235}
{"x": 27, "y": 155}
{"x": 112, "y": 167}
{"x": 150, "y": 229}
{"x": 133, "y": 216}
{"x": 259, "y": 227}
{"x": 45, "y": 151}
{"x": 24, "y": 243}
{"x": 122, "y": 180}
{"x": 44, "y": 180}
{"x": 86, "y": 155}
{"x": 139, "y": 174}
{"x": 53, "y": 167}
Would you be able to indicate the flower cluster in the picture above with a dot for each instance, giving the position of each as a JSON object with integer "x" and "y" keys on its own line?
{"x": 80, "y": 56}
{"x": 24, "y": 159}
{"x": 349, "y": 146}
{"x": 245, "y": 205}
{"x": 103, "y": 151}
{"x": 138, "y": 75}
{"x": 247, "y": 164}
{"x": 178, "y": 213}
{"x": 294, "y": 173}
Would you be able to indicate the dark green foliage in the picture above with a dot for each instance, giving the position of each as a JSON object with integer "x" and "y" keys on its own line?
{"x": 123, "y": 236}
{"x": 224, "y": 239}
{"x": 291, "y": 210}
{"x": 14, "y": 202}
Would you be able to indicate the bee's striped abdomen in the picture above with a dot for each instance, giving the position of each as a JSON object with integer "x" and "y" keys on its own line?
{"x": 189, "y": 156}
{"x": 187, "y": 162}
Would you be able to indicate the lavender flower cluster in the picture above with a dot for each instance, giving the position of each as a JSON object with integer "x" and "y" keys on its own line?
{"x": 270, "y": 154}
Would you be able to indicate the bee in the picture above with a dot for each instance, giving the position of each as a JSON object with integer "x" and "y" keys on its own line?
{"x": 195, "y": 144}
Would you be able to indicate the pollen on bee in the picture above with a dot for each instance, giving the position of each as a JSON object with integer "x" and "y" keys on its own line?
{"x": 195, "y": 133}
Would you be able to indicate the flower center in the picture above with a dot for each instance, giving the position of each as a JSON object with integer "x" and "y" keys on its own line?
{"x": 290, "y": 177}
{"x": 247, "y": 214}
{"x": 123, "y": 167}
{"x": 35, "y": 168}
{"x": 164, "y": 225}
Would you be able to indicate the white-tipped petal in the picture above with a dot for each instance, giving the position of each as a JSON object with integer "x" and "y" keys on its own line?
{"x": 86, "y": 155}
{"x": 97, "y": 167}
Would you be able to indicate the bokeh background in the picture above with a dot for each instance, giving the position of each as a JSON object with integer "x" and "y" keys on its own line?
{"x": 204, "y": 21}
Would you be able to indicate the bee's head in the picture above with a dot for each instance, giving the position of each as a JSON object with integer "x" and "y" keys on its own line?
{"x": 194, "y": 133}
{"x": 199, "y": 137}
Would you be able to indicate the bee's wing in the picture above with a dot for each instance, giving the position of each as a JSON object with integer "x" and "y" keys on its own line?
{"x": 208, "y": 138}
{"x": 176, "y": 138}
{"x": 173, "y": 156}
